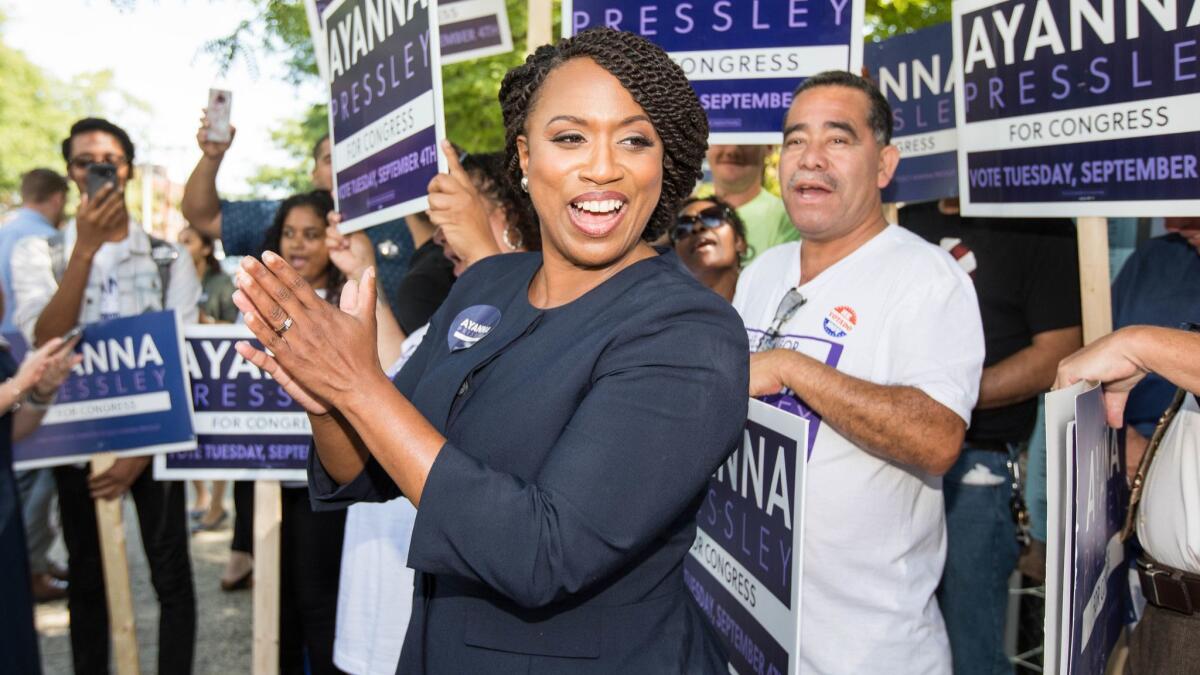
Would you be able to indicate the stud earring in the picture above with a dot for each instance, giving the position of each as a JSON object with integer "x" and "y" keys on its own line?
{"x": 525, "y": 183}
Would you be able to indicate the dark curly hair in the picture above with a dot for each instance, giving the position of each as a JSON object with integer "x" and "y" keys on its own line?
{"x": 656, "y": 83}
{"x": 488, "y": 172}
{"x": 321, "y": 202}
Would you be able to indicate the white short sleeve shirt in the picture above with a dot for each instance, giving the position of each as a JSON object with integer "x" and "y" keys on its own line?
{"x": 897, "y": 311}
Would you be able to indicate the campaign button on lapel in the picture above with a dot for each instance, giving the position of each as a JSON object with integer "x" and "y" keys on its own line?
{"x": 471, "y": 325}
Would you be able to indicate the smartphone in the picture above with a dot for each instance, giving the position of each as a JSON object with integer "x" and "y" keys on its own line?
{"x": 99, "y": 175}
{"x": 219, "y": 103}
{"x": 72, "y": 334}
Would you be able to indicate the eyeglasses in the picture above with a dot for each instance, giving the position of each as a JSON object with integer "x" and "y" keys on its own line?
{"x": 708, "y": 219}
{"x": 82, "y": 162}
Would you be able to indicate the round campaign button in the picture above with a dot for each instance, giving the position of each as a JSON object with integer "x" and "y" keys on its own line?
{"x": 472, "y": 325}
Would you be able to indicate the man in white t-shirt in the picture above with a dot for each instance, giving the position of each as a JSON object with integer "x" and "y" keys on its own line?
{"x": 875, "y": 335}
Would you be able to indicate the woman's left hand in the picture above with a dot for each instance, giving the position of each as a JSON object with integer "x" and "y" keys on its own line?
{"x": 58, "y": 368}
{"x": 325, "y": 352}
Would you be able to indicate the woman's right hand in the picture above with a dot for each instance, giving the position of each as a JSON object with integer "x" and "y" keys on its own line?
{"x": 457, "y": 207}
{"x": 351, "y": 253}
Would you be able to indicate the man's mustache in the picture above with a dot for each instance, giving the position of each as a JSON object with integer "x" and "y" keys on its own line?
{"x": 823, "y": 179}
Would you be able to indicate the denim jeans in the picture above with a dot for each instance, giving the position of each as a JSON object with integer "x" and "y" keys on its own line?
{"x": 981, "y": 554}
{"x": 162, "y": 520}
{"x": 37, "y": 493}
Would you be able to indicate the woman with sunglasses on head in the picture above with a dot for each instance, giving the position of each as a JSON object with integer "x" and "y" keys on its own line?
{"x": 710, "y": 238}
{"x": 555, "y": 439}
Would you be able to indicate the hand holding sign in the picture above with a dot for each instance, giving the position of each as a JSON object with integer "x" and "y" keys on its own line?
{"x": 456, "y": 207}
{"x": 351, "y": 253}
{"x": 118, "y": 478}
{"x": 320, "y": 354}
{"x": 1110, "y": 361}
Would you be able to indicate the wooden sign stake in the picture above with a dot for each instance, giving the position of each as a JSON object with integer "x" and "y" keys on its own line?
{"x": 1094, "y": 285}
{"x": 111, "y": 526}
{"x": 540, "y": 25}
{"x": 268, "y": 517}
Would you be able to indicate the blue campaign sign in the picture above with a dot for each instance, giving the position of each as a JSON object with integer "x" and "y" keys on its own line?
{"x": 916, "y": 73}
{"x": 1099, "y": 581}
{"x": 385, "y": 107}
{"x": 1076, "y": 109}
{"x": 247, "y": 426}
{"x": 745, "y": 567}
{"x": 128, "y": 396}
{"x": 743, "y": 58}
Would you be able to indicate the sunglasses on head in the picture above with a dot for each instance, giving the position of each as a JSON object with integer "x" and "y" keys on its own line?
{"x": 708, "y": 219}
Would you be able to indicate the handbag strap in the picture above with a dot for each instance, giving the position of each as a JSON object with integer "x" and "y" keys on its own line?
{"x": 1139, "y": 479}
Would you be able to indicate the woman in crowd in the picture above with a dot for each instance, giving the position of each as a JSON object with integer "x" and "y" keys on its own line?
{"x": 25, "y": 395}
{"x": 376, "y": 586}
{"x": 216, "y": 306}
{"x": 553, "y": 436}
{"x": 311, "y": 542}
{"x": 710, "y": 239}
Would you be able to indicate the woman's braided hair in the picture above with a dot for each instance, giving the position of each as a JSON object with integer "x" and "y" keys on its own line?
{"x": 656, "y": 83}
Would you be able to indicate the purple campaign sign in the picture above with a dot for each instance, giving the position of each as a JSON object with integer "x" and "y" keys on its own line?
{"x": 744, "y": 570}
{"x": 1100, "y": 582}
{"x": 247, "y": 426}
{"x": 743, "y": 58}
{"x": 1072, "y": 110}
{"x": 473, "y": 29}
{"x": 915, "y": 72}
{"x": 129, "y": 396}
{"x": 385, "y": 108}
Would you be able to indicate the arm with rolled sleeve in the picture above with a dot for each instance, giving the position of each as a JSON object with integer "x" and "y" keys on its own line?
{"x": 656, "y": 423}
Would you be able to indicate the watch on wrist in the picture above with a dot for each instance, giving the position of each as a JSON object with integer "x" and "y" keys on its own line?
{"x": 41, "y": 402}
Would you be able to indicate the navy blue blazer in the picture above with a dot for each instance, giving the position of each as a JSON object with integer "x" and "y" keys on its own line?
{"x": 555, "y": 520}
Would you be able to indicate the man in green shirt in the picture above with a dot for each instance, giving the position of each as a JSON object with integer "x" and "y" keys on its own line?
{"x": 737, "y": 172}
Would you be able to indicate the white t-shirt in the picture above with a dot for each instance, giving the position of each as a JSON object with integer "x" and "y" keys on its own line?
{"x": 375, "y": 588}
{"x": 1169, "y": 515}
{"x": 897, "y": 311}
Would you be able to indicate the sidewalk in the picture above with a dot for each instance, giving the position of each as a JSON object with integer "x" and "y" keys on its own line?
{"x": 223, "y": 634}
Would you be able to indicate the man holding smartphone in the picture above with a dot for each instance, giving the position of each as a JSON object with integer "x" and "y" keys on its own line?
{"x": 104, "y": 265}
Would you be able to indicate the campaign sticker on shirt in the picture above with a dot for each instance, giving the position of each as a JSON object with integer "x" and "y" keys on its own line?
{"x": 841, "y": 321}
{"x": 472, "y": 325}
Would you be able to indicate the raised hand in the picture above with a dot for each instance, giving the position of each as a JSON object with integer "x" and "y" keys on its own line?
{"x": 351, "y": 253}
{"x": 462, "y": 213}
{"x": 213, "y": 149}
{"x": 100, "y": 218}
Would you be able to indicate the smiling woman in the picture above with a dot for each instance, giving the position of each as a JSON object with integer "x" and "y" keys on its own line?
{"x": 539, "y": 427}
